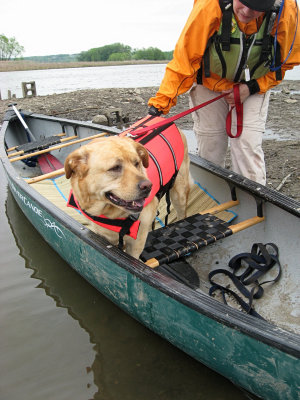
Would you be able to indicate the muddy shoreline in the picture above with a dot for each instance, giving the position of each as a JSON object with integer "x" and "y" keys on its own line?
{"x": 281, "y": 153}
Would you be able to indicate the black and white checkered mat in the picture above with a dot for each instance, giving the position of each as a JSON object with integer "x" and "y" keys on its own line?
{"x": 183, "y": 237}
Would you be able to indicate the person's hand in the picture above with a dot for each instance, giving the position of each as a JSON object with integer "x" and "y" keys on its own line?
{"x": 154, "y": 111}
{"x": 244, "y": 94}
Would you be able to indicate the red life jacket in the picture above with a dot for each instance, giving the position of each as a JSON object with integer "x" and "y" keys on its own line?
{"x": 166, "y": 152}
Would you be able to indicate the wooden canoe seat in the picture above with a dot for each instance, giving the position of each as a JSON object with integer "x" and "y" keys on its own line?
{"x": 172, "y": 242}
{"x": 183, "y": 237}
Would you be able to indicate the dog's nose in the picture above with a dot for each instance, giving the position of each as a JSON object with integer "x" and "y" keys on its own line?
{"x": 145, "y": 186}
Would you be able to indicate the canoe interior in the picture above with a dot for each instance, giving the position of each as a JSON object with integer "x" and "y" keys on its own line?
{"x": 280, "y": 304}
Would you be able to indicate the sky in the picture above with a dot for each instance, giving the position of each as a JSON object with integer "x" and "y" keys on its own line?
{"x": 69, "y": 27}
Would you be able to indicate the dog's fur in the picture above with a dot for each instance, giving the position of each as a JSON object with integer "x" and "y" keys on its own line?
{"x": 108, "y": 176}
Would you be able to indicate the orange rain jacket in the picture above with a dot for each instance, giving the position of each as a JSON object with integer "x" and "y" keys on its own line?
{"x": 203, "y": 22}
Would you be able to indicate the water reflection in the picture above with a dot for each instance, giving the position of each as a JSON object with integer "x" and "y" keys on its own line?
{"x": 130, "y": 362}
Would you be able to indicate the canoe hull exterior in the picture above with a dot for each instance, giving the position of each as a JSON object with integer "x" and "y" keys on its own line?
{"x": 253, "y": 365}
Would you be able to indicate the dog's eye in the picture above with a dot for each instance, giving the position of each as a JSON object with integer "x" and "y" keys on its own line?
{"x": 116, "y": 168}
{"x": 137, "y": 164}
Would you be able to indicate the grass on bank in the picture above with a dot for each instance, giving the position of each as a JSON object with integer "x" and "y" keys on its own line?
{"x": 6, "y": 66}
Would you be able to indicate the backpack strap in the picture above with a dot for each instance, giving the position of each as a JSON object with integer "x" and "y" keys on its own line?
{"x": 267, "y": 45}
{"x": 224, "y": 41}
{"x": 205, "y": 65}
{"x": 226, "y": 7}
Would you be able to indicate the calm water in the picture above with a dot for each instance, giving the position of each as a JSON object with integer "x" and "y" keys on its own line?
{"x": 51, "y": 81}
{"x": 66, "y": 80}
{"x": 62, "y": 340}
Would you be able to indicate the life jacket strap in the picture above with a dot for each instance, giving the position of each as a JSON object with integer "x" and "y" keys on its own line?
{"x": 153, "y": 134}
{"x": 126, "y": 225}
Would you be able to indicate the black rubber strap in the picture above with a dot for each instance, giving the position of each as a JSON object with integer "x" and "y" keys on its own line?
{"x": 259, "y": 261}
{"x": 168, "y": 201}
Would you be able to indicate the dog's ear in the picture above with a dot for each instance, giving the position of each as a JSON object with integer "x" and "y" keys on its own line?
{"x": 77, "y": 163}
{"x": 143, "y": 153}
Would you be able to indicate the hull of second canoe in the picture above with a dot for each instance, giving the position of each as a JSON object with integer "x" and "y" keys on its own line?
{"x": 256, "y": 366}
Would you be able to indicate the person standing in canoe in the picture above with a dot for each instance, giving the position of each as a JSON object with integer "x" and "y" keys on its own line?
{"x": 226, "y": 43}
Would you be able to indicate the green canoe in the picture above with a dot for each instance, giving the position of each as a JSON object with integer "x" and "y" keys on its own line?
{"x": 257, "y": 351}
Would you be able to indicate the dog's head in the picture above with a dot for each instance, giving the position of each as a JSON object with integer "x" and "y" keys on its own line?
{"x": 109, "y": 172}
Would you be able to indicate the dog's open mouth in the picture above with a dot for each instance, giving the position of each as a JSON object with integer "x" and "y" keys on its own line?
{"x": 133, "y": 205}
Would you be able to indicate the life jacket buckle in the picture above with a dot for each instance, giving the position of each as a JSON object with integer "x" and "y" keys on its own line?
{"x": 130, "y": 135}
{"x": 134, "y": 217}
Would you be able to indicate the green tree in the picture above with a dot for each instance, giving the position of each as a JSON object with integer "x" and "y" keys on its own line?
{"x": 103, "y": 53}
{"x": 119, "y": 57}
{"x": 151, "y": 53}
{"x": 9, "y": 48}
{"x": 168, "y": 55}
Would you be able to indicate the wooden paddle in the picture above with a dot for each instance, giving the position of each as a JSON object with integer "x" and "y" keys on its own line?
{"x": 16, "y": 111}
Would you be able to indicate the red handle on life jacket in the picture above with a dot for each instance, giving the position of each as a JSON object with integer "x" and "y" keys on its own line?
{"x": 167, "y": 121}
{"x": 239, "y": 114}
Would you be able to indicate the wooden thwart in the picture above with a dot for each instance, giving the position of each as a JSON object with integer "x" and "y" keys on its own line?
{"x": 246, "y": 224}
{"x": 57, "y": 147}
{"x": 50, "y": 175}
{"x": 221, "y": 207}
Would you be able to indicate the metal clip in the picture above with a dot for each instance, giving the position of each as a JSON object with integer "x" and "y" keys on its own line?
{"x": 271, "y": 22}
{"x": 130, "y": 135}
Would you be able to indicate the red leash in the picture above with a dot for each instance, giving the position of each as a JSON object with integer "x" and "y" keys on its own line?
{"x": 239, "y": 114}
{"x": 169, "y": 120}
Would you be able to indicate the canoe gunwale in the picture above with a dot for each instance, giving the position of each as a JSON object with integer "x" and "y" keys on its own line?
{"x": 261, "y": 330}
{"x": 257, "y": 190}
{"x": 9, "y": 116}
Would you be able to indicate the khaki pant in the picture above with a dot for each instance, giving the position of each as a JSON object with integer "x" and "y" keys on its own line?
{"x": 247, "y": 157}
